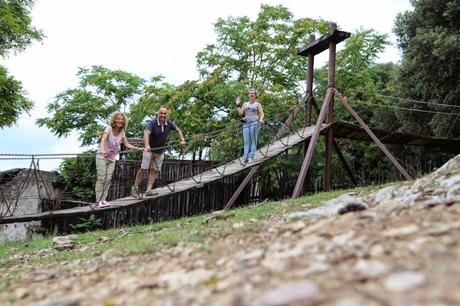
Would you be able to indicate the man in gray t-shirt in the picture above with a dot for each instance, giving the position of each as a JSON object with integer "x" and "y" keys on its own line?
{"x": 155, "y": 140}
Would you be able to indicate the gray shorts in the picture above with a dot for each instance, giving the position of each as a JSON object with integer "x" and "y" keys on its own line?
{"x": 152, "y": 161}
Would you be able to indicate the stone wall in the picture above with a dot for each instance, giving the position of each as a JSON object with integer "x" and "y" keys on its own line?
{"x": 21, "y": 196}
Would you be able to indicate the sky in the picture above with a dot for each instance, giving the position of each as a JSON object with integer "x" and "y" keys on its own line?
{"x": 146, "y": 38}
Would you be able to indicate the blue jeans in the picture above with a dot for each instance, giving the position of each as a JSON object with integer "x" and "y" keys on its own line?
{"x": 250, "y": 135}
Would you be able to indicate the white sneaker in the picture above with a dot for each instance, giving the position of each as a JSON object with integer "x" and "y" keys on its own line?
{"x": 135, "y": 192}
{"x": 102, "y": 204}
{"x": 150, "y": 193}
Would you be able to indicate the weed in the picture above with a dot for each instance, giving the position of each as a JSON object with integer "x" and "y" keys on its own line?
{"x": 89, "y": 224}
{"x": 8, "y": 299}
{"x": 3, "y": 286}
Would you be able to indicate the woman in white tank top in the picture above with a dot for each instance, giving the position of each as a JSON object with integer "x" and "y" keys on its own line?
{"x": 253, "y": 114}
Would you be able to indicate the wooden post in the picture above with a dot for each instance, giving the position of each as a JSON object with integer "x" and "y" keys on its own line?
{"x": 309, "y": 93}
{"x": 330, "y": 114}
{"x": 342, "y": 159}
{"x": 314, "y": 138}
{"x": 241, "y": 187}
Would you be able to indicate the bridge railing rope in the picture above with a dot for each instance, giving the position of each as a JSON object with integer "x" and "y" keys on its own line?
{"x": 208, "y": 143}
{"x": 218, "y": 146}
{"x": 402, "y": 115}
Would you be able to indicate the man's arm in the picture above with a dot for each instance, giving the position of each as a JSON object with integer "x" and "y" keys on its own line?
{"x": 146, "y": 141}
{"x": 180, "y": 136}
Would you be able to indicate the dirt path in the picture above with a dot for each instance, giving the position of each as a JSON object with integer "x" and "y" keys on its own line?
{"x": 403, "y": 248}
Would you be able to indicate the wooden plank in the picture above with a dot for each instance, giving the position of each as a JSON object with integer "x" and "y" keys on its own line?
{"x": 322, "y": 43}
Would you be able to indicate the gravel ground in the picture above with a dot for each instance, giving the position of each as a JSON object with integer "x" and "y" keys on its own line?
{"x": 397, "y": 246}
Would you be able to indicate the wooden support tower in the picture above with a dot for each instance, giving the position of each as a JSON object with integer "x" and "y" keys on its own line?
{"x": 326, "y": 114}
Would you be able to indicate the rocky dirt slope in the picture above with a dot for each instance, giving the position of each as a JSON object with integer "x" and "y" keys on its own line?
{"x": 397, "y": 246}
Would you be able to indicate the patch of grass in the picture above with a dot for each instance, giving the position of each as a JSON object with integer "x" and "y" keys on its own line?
{"x": 10, "y": 252}
{"x": 3, "y": 286}
{"x": 148, "y": 238}
{"x": 8, "y": 299}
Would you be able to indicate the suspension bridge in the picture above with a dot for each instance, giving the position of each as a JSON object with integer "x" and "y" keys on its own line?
{"x": 197, "y": 181}
{"x": 220, "y": 187}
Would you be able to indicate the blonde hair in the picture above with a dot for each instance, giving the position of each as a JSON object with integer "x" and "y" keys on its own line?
{"x": 114, "y": 117}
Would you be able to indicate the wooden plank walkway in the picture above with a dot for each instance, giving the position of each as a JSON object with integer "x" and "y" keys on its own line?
{"x": 263, "y": 154}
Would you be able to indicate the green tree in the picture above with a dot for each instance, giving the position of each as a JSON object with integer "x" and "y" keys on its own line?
{"x": 87, "y": 108}
{"x": 264, "y": 57}
{"x": 16, "y": 33}
{"x": 13, "y": 101}
{"x": 357, "y": 75}
{"x": 154, "y": 94}
{"x": 16, "y": 30}
{"x": 429, "y": 37}
{"x": 260, "y": 53}
{"x": 79, "y": 175}
{"x": 384, "y": 116}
